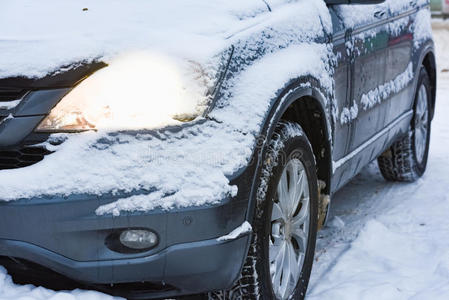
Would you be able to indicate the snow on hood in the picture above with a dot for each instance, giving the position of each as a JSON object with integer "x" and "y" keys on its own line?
{"x": 188, "y": 167}
{"x": 191, "y": 166}
{"x": 166, "y": 52}
{"x": 38, "y": 37}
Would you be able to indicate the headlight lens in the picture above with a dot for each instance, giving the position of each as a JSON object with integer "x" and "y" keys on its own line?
{"x": 66, "y": 117}
{"x": 138, "y": 91}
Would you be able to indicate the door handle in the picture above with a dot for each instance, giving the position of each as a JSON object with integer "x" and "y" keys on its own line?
{"x": 380, "y": 14}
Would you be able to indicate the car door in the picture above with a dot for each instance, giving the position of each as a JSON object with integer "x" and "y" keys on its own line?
{"x": 369, "y": 50}
{"x": 342, "y": 83}
{"x": 399, "y": 71}
{"x": 363, "y": 113}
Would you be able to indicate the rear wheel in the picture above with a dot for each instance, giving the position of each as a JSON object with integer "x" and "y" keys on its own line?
{"x": 280, "y": 259}
{"x": 406, "y": 159}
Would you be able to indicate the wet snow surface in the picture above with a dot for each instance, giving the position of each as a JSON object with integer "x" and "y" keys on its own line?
{"x": 390, "y": 240}
{"x": 385, "y": 241}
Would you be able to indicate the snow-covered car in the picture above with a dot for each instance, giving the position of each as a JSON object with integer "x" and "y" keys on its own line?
{"x": 155, "y": 149}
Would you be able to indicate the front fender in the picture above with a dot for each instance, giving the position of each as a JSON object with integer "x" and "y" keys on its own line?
{"x": 294, "y": 90}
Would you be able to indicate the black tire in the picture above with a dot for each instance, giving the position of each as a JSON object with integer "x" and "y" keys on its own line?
{"x": 289, "y": 142}
{"x": 400, "y": 162}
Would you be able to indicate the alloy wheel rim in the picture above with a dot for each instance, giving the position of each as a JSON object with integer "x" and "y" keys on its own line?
{"x": 290, "y": 221}
{"x": 421, "y": 124}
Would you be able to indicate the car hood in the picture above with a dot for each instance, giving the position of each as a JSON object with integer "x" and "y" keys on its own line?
{"x": 192, "y": 164}
{"x": 51, "y": 36}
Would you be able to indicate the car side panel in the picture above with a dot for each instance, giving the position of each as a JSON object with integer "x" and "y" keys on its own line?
{"x": 400, "y": 63}
{"x": 394, "y": 111}
{"x": 403, "y": 53}
{"x": 369, "y": 51}
{"x": 367, "y": 47}
{"x": 342, "y": 86}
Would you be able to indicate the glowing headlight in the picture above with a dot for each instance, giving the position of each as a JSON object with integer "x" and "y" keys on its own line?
{"x": 138, "y": 91}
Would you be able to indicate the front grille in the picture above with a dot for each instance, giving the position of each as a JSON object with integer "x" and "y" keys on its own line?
{"x": 10, "y": 94}
{"x": 21, "y": 157}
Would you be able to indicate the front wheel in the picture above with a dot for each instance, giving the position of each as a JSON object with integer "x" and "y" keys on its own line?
{"x": 280, "y": 259}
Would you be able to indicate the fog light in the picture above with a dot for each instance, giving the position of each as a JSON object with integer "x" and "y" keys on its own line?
{"x": 138, "y": 239}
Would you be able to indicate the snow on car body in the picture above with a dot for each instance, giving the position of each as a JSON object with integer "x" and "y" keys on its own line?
{"x": 185, "y": 158}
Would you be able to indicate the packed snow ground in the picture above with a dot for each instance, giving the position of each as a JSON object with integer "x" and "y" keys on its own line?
{"x": 385, "y": 240}
{"x": 390, "y": 240}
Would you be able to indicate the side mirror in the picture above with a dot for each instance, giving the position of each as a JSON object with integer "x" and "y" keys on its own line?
{"x": 330, "y": 2}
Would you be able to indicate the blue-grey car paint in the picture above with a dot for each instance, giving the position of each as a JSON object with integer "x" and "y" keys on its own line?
{"x": 14, "y": 130}
{"x": 39, "y": 102}
{"x": 27, "y": 115}
{"x": 65, "y": 235}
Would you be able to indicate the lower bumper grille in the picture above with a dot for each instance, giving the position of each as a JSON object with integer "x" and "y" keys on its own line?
{"x": 21, "y": 157}
{"x": 27, "y": 272}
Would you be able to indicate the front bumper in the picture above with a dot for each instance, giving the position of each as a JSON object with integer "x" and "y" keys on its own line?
{"x": 65, "y": 235}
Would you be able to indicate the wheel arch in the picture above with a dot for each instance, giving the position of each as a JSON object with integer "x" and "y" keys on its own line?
{"x": 311, "y": 116}
{"x": 429, "y": 62}
{"x": 305, "y": 102}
